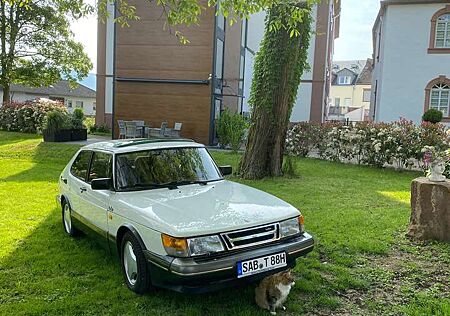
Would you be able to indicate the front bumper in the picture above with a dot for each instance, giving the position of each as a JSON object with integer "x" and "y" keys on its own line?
{"x": 211, "y": 274}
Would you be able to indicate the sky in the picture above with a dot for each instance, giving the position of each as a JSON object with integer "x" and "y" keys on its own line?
{"x": 354, "y": 42}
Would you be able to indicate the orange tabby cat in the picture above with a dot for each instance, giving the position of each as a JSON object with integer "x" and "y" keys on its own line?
{"x": 273, "y": 291}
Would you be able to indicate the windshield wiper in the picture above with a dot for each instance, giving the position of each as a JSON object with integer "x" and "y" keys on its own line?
{"x": 147, "y": 186}
{"x": 187, "y": 182}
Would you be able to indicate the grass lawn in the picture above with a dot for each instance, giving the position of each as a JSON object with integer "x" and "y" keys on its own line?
{"x": 362, "y": 264}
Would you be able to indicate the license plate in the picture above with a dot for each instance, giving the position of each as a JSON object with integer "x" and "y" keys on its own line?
{"x": 259, "y": 265}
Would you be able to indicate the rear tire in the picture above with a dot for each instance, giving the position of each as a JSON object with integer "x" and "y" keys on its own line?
{"x": 134, "y": 265}
{"x": 67, "y": 220}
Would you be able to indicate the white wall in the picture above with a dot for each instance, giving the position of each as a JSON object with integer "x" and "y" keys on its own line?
{"x": 406, "y": 67}
{"x": 88, "y": 104}
{"x": 109, "y": 58}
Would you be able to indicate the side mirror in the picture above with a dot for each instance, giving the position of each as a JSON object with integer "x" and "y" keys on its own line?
{"x": 101, "y": 184}
{"x": 226, "y": 170}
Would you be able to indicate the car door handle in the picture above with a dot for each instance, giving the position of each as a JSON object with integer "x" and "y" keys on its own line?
{"x": 82, "y": 189}
{"x": 64, "y": 180}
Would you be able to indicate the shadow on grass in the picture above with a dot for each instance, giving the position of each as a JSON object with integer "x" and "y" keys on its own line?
{"x": 49, "y": 159}
{"x": 50, "y": 272}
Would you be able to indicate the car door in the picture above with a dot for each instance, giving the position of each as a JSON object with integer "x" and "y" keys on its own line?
{"x": 96, "y": 202}
{"x": 77, "y": 181}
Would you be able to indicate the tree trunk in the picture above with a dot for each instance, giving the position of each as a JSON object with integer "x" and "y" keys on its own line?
{"x": 279, "y": 66}
{"x": 6, "y": 91}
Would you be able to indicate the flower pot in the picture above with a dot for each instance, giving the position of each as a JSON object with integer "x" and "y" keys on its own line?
{"x": 78, "y": 134}
{"x": 62, "y": 135}
{"x": 436, "y": 171}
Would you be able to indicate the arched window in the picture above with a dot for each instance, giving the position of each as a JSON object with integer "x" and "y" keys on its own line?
{"x": 443, "y": 31}
{"x": 437, "y": 96}
{"x": 440, "y": 97}
{"x": 440, "y": 32}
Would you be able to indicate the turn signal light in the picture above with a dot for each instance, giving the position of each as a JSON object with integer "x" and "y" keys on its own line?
{"x": 173, "y": 242}
{"x": 301, "y": 223}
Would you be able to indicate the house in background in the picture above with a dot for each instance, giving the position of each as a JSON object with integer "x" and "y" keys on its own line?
{"x": 78, "y": 97}
{"x": 350, "y": 90}
{"x": 144, "y": 73}
{"x": 411, "y": 51}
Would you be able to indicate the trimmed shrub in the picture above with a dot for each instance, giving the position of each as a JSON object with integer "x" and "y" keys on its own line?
{"x": 432, "y": 116}
{"x": 77, "y": 119}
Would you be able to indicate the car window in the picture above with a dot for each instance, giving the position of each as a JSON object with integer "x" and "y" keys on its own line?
{"x": 81, "y": 164}
{"x": 164, "y": 166}
{"x": 101, "y": 166}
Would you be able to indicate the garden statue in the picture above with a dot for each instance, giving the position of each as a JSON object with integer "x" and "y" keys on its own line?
{"x": 436, "y": 173}
{"x": 435, "y": 161}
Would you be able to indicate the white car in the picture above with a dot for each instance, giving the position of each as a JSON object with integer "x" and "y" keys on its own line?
{"x": 165, "y": 208}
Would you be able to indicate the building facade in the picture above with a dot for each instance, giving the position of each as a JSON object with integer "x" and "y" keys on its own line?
{"x": 72, "y": 97}
{"x": 350, "y": 90}
{"x": 145, "y": 73}
{"x": 411, "y": 52}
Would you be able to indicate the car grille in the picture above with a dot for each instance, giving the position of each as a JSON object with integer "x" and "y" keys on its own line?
{"x": 251, "y": 236}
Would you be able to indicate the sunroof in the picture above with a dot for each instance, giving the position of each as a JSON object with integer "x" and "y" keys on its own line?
{"x": 134, "y": 142}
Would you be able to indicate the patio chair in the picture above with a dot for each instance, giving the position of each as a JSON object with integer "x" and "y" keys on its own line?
{"x": 140, "y": 126}
{"x": 175, "y": 131}
{"x": 122, "y": 129}
{"x": 131, "y": 130}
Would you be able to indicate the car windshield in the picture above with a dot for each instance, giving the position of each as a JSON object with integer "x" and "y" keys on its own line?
{"x": 164, "y": 168}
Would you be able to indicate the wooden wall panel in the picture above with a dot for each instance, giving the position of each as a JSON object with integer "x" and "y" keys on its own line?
{"x": 155, "y": 103}
{"x": 151, "y": 50}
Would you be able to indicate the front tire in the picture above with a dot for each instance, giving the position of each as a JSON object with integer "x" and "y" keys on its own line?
{"x": 67, "y": 220}
{"x": 134, "y": 264}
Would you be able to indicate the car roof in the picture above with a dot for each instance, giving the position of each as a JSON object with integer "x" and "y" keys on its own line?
{"x": 138, "y": 144}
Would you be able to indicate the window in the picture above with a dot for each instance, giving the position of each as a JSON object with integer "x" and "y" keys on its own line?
{"x": 94, "y": 107}
{"x": 347, "y": 102}
{"x": 440, "y": 32}
{"x": 366, "y": 95}
{"x": 337, "y": 102}
{"x": 437, "y": 96}
{"x": 69, "y": 104}
{"x": 164, "y": 168}
{"x": 440, "y": 98}
{"x": 79, "y": 104}
{"x": 80, "y": 165}
{"x": 344, "y": 79}
{"x": 101, "y": 166}
{"x": 443, "y": 32}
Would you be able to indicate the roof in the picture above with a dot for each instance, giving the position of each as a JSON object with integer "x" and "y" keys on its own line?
{"x": 61, "y": 88}
{"x": 365, "y": 77}
{"x": 362, "y": 70}
{"x": 355, "y": 66}
{"x": 132, "y": 145}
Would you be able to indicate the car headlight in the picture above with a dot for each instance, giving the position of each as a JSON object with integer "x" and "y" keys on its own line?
{"x": 204, "y": 245}
{"x": 185, "y": 247}
{"x": 291, "y": 227}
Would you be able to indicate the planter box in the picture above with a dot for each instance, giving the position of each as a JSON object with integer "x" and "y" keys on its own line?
{"x": 62, "y": 135}
{"x": 78, "y": 134}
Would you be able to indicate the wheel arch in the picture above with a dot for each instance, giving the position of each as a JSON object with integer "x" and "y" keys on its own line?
{"x": 122, "y": 231}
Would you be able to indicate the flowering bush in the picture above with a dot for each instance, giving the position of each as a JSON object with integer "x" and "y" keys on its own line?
{"x": 376, "y": 144}
{"x": 27, "y": 117}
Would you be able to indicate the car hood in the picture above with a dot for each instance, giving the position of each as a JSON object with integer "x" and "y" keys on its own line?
{"x": 193, "y": 210}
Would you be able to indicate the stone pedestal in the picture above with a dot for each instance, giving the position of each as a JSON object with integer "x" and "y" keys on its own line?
{"x": 430, "y": 210}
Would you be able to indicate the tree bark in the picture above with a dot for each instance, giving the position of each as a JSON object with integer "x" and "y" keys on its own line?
{"x": 6, "y": 92}
{"x": 278, "y": 69}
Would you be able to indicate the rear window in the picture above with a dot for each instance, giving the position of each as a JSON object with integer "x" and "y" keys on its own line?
{"x": 80, "y": 165}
